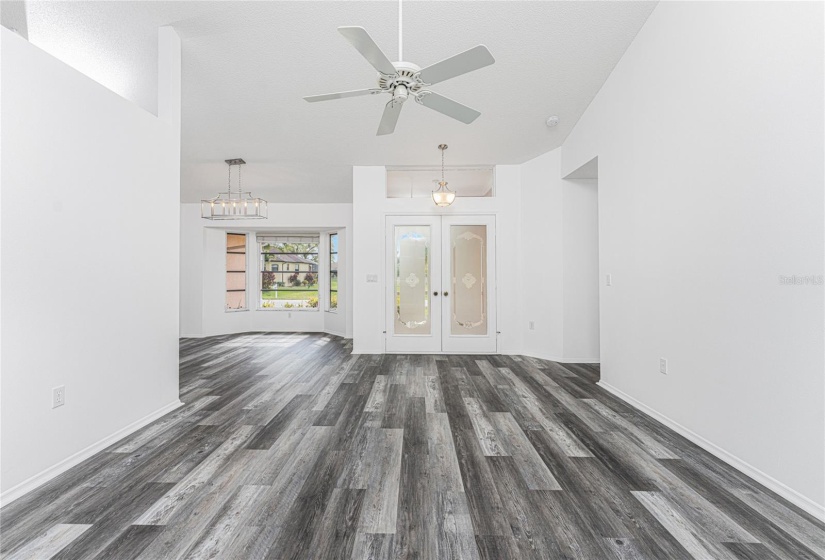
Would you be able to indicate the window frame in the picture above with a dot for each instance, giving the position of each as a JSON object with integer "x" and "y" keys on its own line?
{"x": 329, "y": 290}
{"x": 260, "y": 271}
{"x": 245, "y": 271}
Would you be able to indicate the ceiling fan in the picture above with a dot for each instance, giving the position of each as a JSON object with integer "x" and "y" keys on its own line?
{"x": 404, "y": 79}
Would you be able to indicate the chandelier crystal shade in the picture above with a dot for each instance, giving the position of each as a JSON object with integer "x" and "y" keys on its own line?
{"x": 443, "y": 196}
{"x": 233, "y": 205}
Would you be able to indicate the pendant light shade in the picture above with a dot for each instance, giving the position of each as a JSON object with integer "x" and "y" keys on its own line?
{"x": 443, "y": 196}
{"x": 233, "y": 205}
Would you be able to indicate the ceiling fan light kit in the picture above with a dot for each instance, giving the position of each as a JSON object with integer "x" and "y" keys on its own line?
{"x": 403, "y": 80}
{"x": 443, "y": 197}
{"x": 233, "y": 205}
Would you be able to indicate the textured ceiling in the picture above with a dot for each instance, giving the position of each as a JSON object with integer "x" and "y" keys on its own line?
{"x": 246, "y": 66}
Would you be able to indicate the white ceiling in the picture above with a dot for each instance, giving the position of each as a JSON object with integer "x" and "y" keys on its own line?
{"x": 246, "y": 66}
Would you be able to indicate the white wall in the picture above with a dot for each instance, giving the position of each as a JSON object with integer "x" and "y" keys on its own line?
{"x": 90, "y": 187}
{"x": 580, "y": 233}
{"x": 370, "y": 208}
{"x": 542, "y": 237}
{"x": 709, "y": 134}
{"x": 560, "y": 268}
{"x": 203, "y": 271}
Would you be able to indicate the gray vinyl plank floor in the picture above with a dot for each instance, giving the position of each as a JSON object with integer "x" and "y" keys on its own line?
{"x": 289, "y": 447}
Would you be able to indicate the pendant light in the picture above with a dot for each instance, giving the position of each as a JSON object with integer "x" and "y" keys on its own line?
{"x": 231, "y": 205}
{"x": 443, "y": 196}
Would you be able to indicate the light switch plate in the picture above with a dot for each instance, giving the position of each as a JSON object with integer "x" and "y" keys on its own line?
{"x": 663, "y": 366}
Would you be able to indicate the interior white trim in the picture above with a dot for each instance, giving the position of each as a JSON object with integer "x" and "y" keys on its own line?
{"x": 766, "y": 480}
{"x": 562, "y": 360}
{"x": 335, "y": 333}
{"x": 46, "y": 475}
{"x": 567, "y": 360}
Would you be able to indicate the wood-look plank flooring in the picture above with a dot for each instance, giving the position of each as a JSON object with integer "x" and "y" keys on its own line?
{"x": 290, "y": 447}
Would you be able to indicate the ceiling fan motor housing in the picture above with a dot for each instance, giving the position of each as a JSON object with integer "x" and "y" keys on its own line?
{"x": 406, "y": 75}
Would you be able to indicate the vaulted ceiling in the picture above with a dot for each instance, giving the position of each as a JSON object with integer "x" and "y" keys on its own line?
{"x": 247, "y": 65}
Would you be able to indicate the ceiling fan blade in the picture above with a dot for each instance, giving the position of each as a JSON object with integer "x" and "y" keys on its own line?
{"x": 361, "y": 40}
{"x": 390, "y": 117}
{"x": 473, "y": 59}
{"x": 341, "y": 94}
{"x": 447, "y": 106}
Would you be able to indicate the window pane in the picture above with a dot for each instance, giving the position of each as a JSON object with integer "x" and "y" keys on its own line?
{"x": 469, "y": 279}
{"x": 235, "y": 271}
{"x": 412, "y": 280}
{"x": 236, "y": 300}
{"x": 236, "y": 243}
{"x": 333, "y": 271}
{"x": 235, "y": 261}
{"x": 289, "y": 275}
{"x": 236, "y": 281}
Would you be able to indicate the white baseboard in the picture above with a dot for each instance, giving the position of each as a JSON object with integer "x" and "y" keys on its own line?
{"x": 335, "y": 333}
{"x": 537, "y": 355}
{"x": 192, "y": 336}
{"x": 561, "y": 360}
{"x": 567, "y": 360}
{"x": 42, "y": 477}
{"x": 766, "y": 480}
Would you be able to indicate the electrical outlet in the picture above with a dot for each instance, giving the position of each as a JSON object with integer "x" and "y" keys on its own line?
{"x": 372, "y": 278}
{"x": 289, "y": 315}
{"x": 531, "y": 325}
{"x": 663, "y": 366}
{"x": 608, "y": 279}
{"x": 58, "y": 396}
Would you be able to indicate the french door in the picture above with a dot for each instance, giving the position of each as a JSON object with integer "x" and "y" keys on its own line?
{"x": 441, "y": 284}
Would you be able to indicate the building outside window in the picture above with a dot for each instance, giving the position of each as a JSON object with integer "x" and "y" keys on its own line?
{"x": 289, "y": 272}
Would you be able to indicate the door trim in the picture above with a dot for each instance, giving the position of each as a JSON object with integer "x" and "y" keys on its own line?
{"x": 441, "y": 223}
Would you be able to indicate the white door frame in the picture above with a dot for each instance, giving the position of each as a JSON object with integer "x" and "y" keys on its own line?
{"x": 468, "y": 343}
{"x": 414, "y": 343}
{"x": 440, "y": 340}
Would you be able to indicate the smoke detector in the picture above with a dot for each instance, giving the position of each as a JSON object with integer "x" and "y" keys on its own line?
{"x": 552, "y": 121}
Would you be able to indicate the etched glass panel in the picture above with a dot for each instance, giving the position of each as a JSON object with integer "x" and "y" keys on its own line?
{"x": 412, "y": 280}
{"x": 468, "y": 301}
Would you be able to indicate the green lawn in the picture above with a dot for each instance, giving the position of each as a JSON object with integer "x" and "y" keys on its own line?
{"x": 290, "y": 293}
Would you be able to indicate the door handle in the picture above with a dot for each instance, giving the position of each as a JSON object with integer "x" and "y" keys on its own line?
{"x": 435, "y": 293}
{"x": 446, "y": 294}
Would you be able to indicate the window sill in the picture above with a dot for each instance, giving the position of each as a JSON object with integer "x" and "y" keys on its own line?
{"x": 295, "y": 309}
{"x": 234, "y": 310}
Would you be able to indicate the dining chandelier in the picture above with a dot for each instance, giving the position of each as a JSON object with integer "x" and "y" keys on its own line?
{"x": 233, "y": 205}
{"x": 443, "y": 196}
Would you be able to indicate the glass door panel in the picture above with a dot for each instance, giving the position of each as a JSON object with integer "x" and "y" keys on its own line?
{"x": 414, "y": 322}
{"x": 469, "y": 320}
{"x": 412, "y": 280}
{"x": 468, "y": 304}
